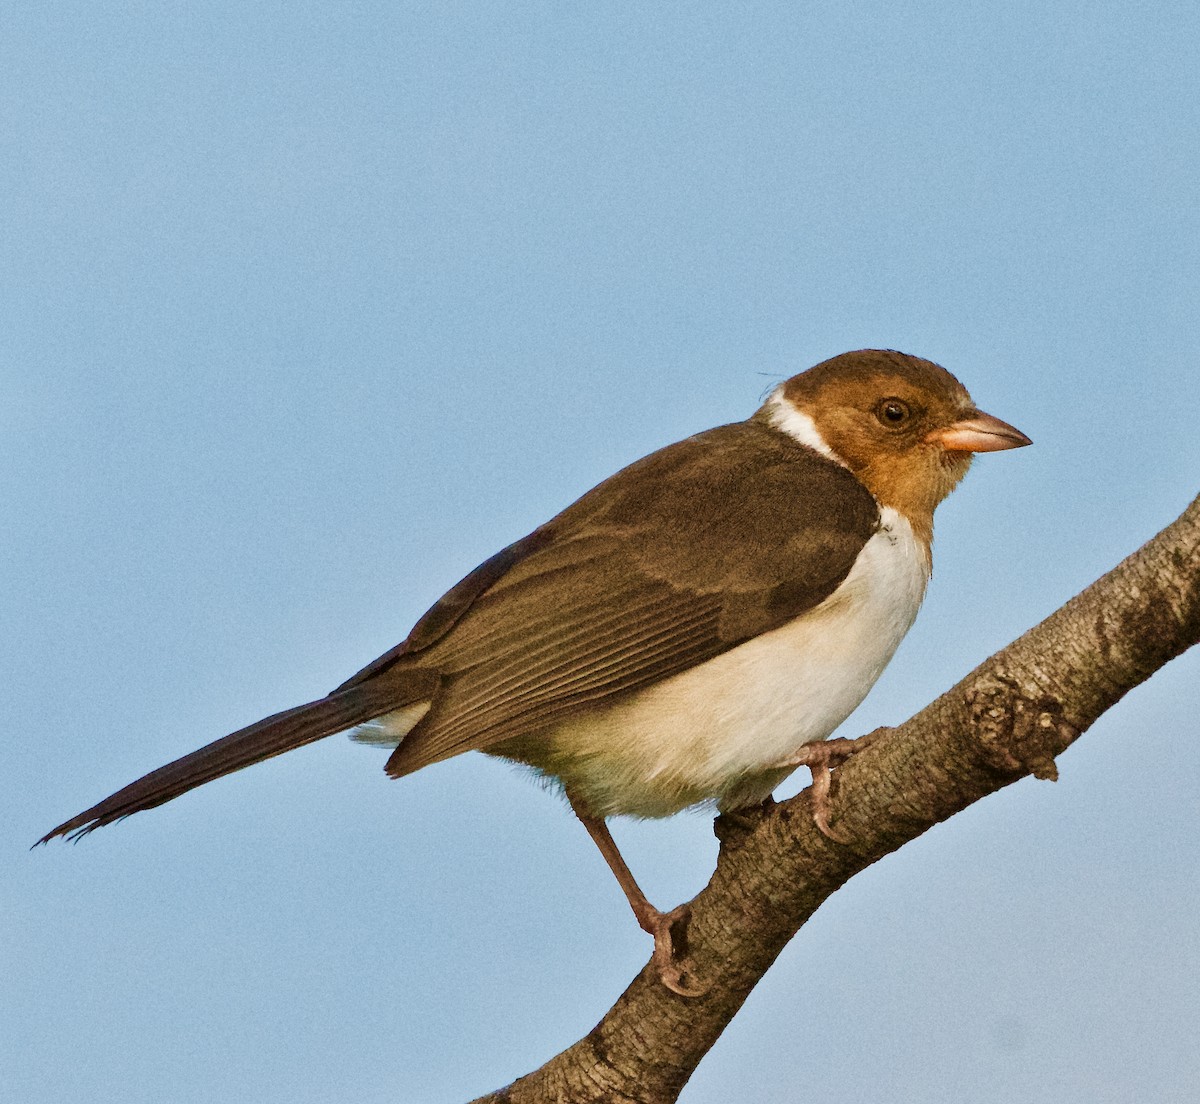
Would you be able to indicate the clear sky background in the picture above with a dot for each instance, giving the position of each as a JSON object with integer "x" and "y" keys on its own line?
{"x": 308, "y": 308}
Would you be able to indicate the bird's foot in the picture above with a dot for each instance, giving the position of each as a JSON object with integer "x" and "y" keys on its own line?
{"x": 821, "y": 758}
{"x": 671, "y": 958}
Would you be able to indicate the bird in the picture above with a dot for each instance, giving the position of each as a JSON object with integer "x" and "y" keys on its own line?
{"x": 687, "y": 633}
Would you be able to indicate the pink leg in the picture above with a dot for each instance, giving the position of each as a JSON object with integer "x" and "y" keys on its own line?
{"x": 669, "y": 929}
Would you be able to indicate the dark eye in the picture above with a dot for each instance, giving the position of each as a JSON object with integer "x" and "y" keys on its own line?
{"x": 893, "y": 413}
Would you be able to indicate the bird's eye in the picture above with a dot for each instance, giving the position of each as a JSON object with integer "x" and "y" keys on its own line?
{"x": 893, "y": 413}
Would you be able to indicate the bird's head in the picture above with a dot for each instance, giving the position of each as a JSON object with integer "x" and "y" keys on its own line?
{"x": 904, "y": 426}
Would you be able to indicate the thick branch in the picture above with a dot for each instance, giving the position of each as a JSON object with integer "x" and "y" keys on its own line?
{"x": 1009, "y": 717}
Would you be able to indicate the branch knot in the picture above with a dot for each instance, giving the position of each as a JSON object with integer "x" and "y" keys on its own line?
{"x": 1017, "y": 733}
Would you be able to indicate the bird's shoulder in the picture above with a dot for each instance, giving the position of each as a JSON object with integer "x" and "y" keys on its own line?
{"x": 734, "y": 507}
{"x": 740, "y": 518}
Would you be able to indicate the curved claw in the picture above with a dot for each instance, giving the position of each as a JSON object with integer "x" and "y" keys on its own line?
{"x": 820, "y": 815}
{"x": 671, "y": 958}
{"x": 821, "y": 758}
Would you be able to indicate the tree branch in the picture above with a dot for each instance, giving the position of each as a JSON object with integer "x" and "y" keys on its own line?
{"x": 1009, "y": 717}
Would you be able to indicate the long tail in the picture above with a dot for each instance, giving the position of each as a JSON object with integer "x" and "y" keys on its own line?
{"x": 271, "y": 736}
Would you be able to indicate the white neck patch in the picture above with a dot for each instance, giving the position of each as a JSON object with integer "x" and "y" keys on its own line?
{"x": 798, "y": 425}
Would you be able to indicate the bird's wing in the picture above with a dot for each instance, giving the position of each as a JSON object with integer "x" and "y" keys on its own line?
{"x": 682, "y": 556}
{"x": 446, "y": 611}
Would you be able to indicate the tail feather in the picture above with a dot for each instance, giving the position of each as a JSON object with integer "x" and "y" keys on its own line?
{"x": 271, "y": 736}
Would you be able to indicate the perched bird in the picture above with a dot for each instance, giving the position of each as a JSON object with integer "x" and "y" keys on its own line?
{"x": 687, "y": 632}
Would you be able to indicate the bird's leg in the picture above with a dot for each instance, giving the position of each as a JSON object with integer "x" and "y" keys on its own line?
{"x": 821, "y": 757}
{"x": 669, "y": 929}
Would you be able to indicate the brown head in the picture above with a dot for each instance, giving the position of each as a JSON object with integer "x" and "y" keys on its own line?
{"x": 905, "y": 426}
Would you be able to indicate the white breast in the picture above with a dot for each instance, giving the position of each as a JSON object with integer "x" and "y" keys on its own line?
{"x": 716, "y": 732}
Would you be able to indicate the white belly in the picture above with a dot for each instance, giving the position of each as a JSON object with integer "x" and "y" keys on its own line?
{"x": 718, "y": 731}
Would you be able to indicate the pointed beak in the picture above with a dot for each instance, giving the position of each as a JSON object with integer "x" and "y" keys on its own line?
{"x": 979, "y": 433}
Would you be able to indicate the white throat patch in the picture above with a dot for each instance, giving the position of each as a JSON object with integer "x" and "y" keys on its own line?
{"x": 798, "y": 425}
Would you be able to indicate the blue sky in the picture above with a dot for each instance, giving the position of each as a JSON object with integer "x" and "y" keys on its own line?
{"x": 308, "y": 308}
